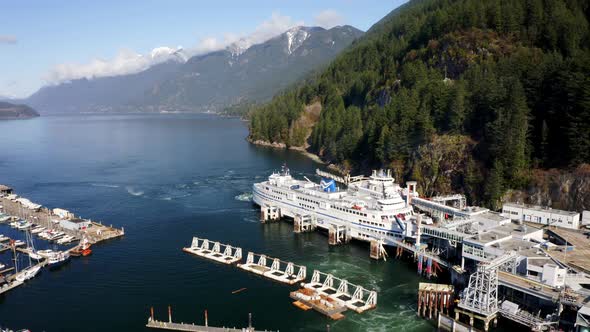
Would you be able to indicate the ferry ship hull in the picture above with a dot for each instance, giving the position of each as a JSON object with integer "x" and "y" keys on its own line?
{"x": 292, "y": 198}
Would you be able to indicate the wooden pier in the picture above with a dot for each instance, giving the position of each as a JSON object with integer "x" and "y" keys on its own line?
{"x": 170, "y": 325}
{"x": 306, "y": 299}
{"x": 434, "y": 299}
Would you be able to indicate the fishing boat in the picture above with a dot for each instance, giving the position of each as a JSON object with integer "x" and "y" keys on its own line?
{"x": 28, "y": 273}
{"x": 58, "y": 258}
{"x": 83, "y": 249}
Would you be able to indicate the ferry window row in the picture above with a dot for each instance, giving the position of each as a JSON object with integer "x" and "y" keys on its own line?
{"x": 378, "y": 232}
{"x": 371, "y": 223}
{"x": 349, "y": 211}
{"x": 307, "y": 206}
{"x": 307, "y": 200}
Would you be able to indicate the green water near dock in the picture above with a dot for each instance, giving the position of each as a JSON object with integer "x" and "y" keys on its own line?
{"x": 166, "y": 178}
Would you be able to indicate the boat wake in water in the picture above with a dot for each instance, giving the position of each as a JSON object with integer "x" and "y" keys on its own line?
{"x": 134, "y": 191}
{"x": 244, "y": 197}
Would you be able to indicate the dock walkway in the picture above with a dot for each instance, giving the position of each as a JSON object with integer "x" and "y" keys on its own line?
{"x": 155, "y": 324}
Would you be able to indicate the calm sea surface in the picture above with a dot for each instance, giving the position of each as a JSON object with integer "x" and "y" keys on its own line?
{"x": 166, "y": 178}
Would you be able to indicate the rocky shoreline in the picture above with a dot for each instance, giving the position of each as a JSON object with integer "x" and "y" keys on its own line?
{"x": 276, "y": 145}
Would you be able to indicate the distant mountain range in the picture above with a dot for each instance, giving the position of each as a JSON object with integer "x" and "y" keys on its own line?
{"x": 207, "y": 82}
{"x": 15, "y": 111}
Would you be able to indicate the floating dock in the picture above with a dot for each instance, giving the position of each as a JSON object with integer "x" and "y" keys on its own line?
{"x": 279, "y": 270}
{"x": 203, "y": 248}
{"x": 360, "y": 300}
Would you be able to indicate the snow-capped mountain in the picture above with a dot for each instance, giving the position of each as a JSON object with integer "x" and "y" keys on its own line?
{"x": 240, "y": 72}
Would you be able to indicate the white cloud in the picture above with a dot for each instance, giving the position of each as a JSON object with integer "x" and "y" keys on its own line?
{"x": 125, "y": 62}
{"x": 129, "y": 62}
{"x": 328, "y": 18}
{"x": 7, "y": 39}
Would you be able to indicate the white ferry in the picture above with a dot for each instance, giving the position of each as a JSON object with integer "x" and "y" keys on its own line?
{"x": 368, "y": 209}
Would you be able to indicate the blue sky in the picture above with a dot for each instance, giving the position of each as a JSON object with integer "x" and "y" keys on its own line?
{"x": 52, "y": 41}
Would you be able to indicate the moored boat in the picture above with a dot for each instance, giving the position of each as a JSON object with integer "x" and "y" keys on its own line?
{"x": 28, "y": 273}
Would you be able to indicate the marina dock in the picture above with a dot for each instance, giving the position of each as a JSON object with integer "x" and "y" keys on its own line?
{"x": 203, "y": 248}
{"x": 279, "y": 270}
{"x": 60, "y": 221}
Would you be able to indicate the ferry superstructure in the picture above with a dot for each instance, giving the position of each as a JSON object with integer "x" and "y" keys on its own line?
{"x": 367, "y": 209}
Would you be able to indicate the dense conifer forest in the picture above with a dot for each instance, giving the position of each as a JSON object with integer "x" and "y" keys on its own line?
{"x": 458, "y": 94}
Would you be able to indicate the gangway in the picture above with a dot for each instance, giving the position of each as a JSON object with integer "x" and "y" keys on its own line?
{"x": 527, "y": 319}
{"x": 460, "y": 199}
{"x": 339, "y": 290}
{"x": 452, "y": 236}
{"x": 438, "y": 210}
{"x": 347, "y": 179}
{"x": 212, "y": 250}
{"x": 278, "y": 270}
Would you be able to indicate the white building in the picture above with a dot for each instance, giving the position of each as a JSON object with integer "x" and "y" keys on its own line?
{"x": 75, "y": 224}
{"x": 553, "y": 275}
{"x": 542, "y": 215}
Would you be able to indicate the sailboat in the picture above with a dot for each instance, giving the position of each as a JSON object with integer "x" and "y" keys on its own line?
{"x": 32, "y": 252}
{"x": 27, "y": 273}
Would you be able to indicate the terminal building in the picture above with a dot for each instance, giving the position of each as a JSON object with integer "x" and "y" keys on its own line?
{"x": 541, "y": 215}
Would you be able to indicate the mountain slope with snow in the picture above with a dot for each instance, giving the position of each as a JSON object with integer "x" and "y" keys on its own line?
{"x": 240, "y": 72}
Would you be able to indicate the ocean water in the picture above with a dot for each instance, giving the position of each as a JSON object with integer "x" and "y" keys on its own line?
{"x": 166, "y": 178}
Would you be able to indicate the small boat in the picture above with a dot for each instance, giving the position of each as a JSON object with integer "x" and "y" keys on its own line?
{"x": 2, "y": 266}
{"x": 4, "y": 218}
{"x": 45, "y": 252}
{"x": 18, "y": 243}
{"x": 65, "y": 239}
{"x": 28, "y": 273}
{"x": 56, "y": 235}
{"x": 86, "y": 252}
{"x": 38, "y": 230}
{"x": 35, "y": 255}
{"x": 24, "y": 225}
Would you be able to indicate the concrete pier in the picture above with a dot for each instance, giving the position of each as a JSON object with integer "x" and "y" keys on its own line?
{"x": 213, "y": 250}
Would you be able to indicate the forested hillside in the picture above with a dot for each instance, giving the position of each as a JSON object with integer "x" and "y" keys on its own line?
{"x": 461, "y": 95}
